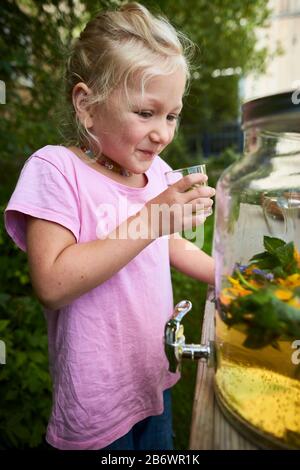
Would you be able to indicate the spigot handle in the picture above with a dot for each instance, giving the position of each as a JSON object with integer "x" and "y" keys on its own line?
{"x": 181, "y": 309}
{"x": 174, "y": 339}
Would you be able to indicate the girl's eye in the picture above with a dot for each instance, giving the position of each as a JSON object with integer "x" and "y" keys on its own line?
{"x": 149, "y": 114}
{"x": 173, "y": 117}
{"x": 144, "y": 114}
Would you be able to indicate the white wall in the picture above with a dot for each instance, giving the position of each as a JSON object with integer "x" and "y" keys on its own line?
{"x": 283, "y": 72}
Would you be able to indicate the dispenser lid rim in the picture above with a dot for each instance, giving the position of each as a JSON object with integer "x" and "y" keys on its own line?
{"x": 271, "y": 105}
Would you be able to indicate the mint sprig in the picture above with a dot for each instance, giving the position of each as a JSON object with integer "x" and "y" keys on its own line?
{"x": 278, "y": 257}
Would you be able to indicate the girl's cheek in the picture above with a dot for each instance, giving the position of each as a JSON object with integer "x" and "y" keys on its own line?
{"x": 171, "y": 137}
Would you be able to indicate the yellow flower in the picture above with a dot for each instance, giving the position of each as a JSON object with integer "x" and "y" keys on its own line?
{"x": 228, "y": 294}
{"x": 291, "y": 281}
{"x": 239, "y": 291}
{"x": 282, "y": 294}
{"x": 233, "y": 281}
{"x": 237, "y": 284}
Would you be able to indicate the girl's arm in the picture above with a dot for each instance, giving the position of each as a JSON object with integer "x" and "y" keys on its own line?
{"x": 190, "y": 260}
{"x": 62, "y": 270}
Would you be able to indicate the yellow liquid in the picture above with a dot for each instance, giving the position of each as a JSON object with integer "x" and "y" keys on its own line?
{"x": 260, "y": 385}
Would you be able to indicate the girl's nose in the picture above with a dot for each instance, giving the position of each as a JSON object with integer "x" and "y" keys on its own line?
{"x": 161, "y": 135}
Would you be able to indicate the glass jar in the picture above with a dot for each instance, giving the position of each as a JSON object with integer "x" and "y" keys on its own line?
{"x": 256, "y": 248}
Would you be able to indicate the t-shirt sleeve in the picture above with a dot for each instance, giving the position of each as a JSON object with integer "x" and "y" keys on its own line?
{"x": 42, "y": 191}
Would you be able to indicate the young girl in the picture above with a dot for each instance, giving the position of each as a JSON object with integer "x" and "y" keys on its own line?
{"x": 99, "y": 258}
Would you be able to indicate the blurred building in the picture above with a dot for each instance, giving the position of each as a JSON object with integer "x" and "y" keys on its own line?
{"x": 283, "y": 71}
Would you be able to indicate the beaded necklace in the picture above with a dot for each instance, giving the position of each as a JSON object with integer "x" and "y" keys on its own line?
{"x": 107, "y": 163}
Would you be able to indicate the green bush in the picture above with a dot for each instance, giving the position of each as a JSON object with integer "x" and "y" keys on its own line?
{"x": 24, "y": 379}
{"x": 25, "y": 383}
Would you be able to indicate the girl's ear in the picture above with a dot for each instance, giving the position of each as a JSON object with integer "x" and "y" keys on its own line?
{"x": 80, "y": 94}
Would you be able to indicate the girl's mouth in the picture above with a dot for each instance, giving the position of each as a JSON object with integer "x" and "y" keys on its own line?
{"x": 147, "y": 153}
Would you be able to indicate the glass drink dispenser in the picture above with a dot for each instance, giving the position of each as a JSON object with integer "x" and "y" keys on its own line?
{"x": 256, "y": 248}
{"x": 257, "y": 293}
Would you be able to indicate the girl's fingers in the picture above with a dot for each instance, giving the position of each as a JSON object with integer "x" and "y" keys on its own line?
{"x": 202, "y": 208}
{"x": 203, "y": 191}
{"x": 198, "y": 219}
{"x": 188, "y": 181}
{"x": 201, "y": 205}
{"x": 193, "y": 221}
{"x": 204, "y": 202}
{"x": 208, "y": 212}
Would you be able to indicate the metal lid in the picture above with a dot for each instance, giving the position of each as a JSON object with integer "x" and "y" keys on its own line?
{"x": 271, "y": 106}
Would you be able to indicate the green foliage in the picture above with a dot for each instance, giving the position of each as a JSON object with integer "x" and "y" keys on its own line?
{"x": 25, "y": 384}
{"x": 270, "y": 319}
{"x": 24, "y": 379}
{"x": 278, "y": 258}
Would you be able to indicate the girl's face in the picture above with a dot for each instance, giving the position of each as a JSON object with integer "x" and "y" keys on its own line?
{"x": 131, "y": 134}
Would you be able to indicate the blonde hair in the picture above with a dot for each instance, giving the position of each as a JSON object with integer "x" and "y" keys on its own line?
{"x": 113, "y": 47}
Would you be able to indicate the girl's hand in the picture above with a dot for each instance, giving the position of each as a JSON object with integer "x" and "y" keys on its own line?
{"x": 177, "y": 207}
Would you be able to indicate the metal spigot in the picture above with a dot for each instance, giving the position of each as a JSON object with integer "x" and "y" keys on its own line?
{"x": 175, "y": 346}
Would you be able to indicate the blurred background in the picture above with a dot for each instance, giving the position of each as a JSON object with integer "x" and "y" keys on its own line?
{"x": 246, "y": 49}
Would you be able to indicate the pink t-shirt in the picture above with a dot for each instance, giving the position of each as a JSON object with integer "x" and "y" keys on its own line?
{"x": 106, "y": 349}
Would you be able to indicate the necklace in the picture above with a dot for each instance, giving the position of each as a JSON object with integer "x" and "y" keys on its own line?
{"x": 107, "y": 163}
